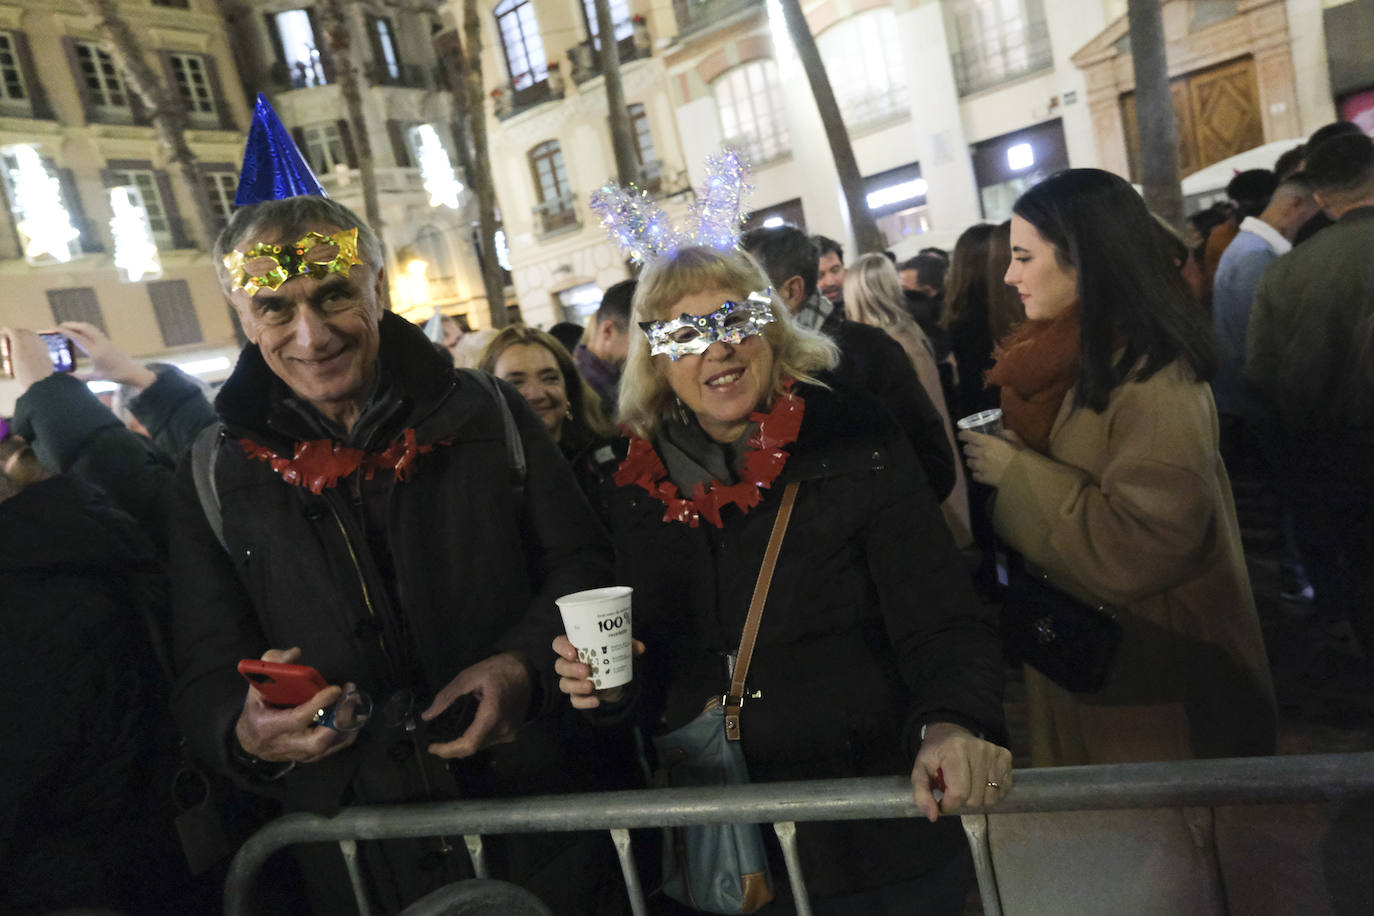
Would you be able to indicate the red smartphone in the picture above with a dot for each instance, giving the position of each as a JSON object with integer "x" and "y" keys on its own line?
{"x": 281, "y": 684}
{"x": 61, "y": 351}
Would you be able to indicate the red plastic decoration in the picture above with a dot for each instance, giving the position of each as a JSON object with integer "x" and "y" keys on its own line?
{"x": 763, "y": 463}
{"x": 321, "y": 463}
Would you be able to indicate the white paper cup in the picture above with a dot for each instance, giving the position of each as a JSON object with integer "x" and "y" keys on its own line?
{"x": 597, "y": 622}
{"x": 988, "y": 422}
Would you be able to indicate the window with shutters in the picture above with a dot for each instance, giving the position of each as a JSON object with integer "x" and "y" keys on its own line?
{"x": 76, "y": 303}
{"x": 555, "y": 210}
{"x": 650, "y": 167}
{"x": 176, "y": 314}
{"x": 521, "y": 44}
{"x": 388, "y": 63}
{"x": 221, "y": 188}
{"x": 153, "y": 205}
{"x": 324, "y": 147}
{"x": 193, "y": 82}
{"x": 14, "y": 95}
{"x": 109, "y": 100}
{"x": 752, "y": 120}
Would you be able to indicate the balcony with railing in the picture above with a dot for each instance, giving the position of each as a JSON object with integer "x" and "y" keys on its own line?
{"x": 301, "y": 74}
{"x": 695, "y": 15}
{"x": 992, "y": 57}
{"x": 585, "y": 57}
{"x": 557, "y": 215}
{"x": 408, "y": 76}
{"x": 508, "y": 101}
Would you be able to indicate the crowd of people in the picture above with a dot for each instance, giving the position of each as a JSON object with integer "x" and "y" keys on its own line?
{"x": 398, "y": 506}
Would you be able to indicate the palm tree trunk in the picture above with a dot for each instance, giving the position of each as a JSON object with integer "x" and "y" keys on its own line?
{"x": 334, "y": 24}
{"x": 866, "y": 235}
{"x": 481, "y": 163}
{"x": 1154, "y": 111}
{"x": 622, "y": 138}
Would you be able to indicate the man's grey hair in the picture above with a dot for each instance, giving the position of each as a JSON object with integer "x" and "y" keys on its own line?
{"x": 287, "y": 220}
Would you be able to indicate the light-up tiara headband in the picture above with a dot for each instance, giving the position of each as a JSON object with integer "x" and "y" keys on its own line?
{"x": 692, "y": 335}
{"x": 643, "y": 230}
{"x": 267, "y": 266}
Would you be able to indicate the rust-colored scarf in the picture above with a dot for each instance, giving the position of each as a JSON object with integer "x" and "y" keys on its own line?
{"x": 1036, "y": 365}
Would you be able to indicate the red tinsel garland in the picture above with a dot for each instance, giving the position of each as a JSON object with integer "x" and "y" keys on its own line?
{"x": 322, "y": 463}
{"x": 762, "y": 464}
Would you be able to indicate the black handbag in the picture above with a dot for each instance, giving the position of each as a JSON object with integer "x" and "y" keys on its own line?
{"x": 1070, "y": 642}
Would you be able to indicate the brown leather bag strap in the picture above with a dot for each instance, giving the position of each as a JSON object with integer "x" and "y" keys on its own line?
{"x": 735, "y": 698}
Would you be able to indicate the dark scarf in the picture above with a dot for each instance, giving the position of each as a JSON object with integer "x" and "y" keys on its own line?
{"x": 1036, "y": 366}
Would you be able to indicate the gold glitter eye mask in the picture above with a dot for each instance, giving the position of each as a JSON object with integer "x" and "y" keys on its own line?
{"x": 292, "y": 260}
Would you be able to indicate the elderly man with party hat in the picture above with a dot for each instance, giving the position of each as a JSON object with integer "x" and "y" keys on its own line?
{"x": 401, "y": 527}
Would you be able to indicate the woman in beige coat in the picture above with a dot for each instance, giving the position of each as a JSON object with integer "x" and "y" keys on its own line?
{"x": 1109, "y": 480}
{"x": 873, "y": 296}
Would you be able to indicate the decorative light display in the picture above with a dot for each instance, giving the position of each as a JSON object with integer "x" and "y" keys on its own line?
{"x": 643, "y": 230}
{"x": 40, "y": 214}
{"x": 503, "y": 250}
{"x": 436, "y": 170}
{"x": 135, "y": 252}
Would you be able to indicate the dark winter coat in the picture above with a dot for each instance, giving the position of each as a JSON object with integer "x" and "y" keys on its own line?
{"x": 871, "y": 628}
{"x": 85, "y": 814}
{"x": 871, "y": 361}
{"x": 387, "y": 584}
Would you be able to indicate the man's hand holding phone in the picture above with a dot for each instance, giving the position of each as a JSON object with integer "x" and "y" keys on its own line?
{"x": 291, "y": 734}
{"x": 30, "y": 357}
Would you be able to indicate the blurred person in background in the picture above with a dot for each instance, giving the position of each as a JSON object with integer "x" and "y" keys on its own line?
{"x": 539, "y": 367}
{"x": 829, "y": 280}
{"x": 873, "y": 296}
{"x": 600, "y": 356}
{"x": 1307, "y": 360}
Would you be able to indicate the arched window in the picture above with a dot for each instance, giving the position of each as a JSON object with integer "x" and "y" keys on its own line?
{"x": 864, "y": 61}
{"x": 521, "y": 44}
{"x": 752, "y": 120}
{"x": 555, "y": 210}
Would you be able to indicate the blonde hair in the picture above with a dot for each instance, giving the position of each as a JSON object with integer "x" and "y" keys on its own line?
{"x": 644, "y": 391}
{"x": 588, "y": 422}
{"x": 873, "y": 292}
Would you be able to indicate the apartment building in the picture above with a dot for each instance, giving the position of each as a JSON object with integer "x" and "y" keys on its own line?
{"x": 953, "y": 108}
{"x": 431, "y": 246}
{"x": 61, "y": 94}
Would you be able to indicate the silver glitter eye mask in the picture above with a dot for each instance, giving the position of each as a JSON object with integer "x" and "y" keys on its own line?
{"x": 692, "y": 335}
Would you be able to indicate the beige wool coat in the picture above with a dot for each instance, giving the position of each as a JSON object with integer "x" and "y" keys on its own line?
{"x": 1133, "y": 507}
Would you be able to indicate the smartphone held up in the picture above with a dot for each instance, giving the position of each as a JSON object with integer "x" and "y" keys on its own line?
{"x": 61, "y": 351}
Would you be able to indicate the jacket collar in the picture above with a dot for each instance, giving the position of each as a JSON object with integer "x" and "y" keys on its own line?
{"x": 414, "y": 378}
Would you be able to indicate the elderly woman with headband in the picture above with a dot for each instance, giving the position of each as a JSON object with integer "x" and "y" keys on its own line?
{"x": 873, "y": 655}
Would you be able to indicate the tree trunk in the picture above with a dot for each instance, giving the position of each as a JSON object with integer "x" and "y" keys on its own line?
{"x": 167, "y": 112}
{"x": 622, "y": 136}
{"x": 481, "y": 178}
{"x": 1154, "y": 112}
{"x": 867, "y": 238}
{"x": 165, "y": 108}
{"x": 334, "y": 24}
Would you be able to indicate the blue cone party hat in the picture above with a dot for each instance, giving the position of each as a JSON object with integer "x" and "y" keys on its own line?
{"x": 273, "y": 167}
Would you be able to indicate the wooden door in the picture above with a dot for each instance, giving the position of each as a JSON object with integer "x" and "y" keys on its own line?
{"x": 1216, "y": 112}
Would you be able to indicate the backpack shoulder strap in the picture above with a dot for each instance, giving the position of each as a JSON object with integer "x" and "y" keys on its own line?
{"x": 515, "y": 446}
{"x": 204, "y": 455}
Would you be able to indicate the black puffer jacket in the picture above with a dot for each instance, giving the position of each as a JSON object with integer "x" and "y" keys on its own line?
{"x": 87, "y": 745}
{"x": 387, "y": 584}
{"x": 871, "y": 629}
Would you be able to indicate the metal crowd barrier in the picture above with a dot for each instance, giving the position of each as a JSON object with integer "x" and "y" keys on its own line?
{"x": 1244, "y": 781}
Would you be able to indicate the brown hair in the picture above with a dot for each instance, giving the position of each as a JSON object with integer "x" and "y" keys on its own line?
{"x": 588, "y": 422}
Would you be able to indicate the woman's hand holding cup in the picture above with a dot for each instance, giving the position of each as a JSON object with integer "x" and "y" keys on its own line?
{"x": 575, "y": 677}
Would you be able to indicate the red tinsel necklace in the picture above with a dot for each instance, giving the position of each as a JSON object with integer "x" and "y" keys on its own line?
{"x": 321, "y": 463}
{"x": 762, "y": 465}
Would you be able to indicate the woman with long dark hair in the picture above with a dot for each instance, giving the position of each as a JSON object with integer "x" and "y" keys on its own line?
{"x": 966, "y": 319}
{"x": 1110, "y": 482}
